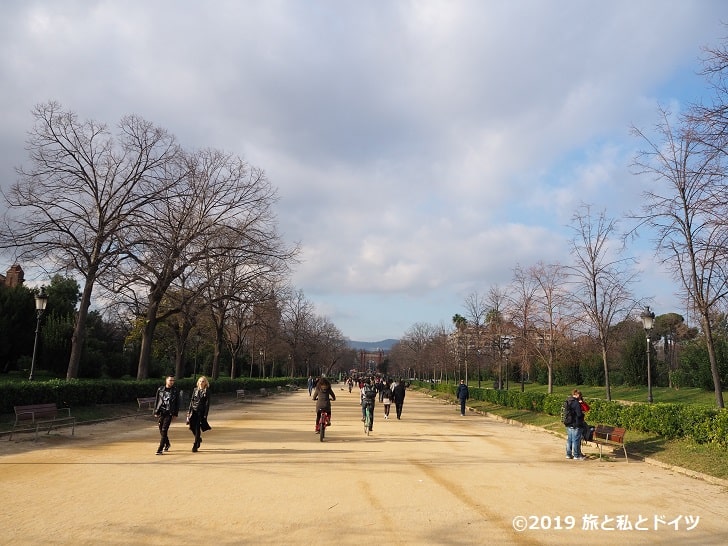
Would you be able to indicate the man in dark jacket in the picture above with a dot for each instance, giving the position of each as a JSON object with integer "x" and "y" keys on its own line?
{"x": 398, "y": 393}
{"x": 166, "y": 407}
{"x": 574, "y": 424}
{"x": 463, "y": 395}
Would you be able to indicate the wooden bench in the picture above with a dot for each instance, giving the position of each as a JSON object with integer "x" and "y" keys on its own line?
{"x": 146, "y": 403}
{"x": 240, "y": 393}
{"x": 605, "y": 435}
{"x": 34, "y": 416}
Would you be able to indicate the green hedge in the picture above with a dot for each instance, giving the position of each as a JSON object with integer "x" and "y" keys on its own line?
{"x": 89, "y": 392}
{"x": 699, "y": 423}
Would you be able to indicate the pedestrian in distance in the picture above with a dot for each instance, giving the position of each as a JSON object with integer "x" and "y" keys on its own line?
{"x": 198, "y": 410}
{"x": 587, "y": 431}
{"x": 398, "y": 393}
{"x": 386, "y": 399}
{"x": 166, "y": 408}
{"x": 463, "y": 395}
{"x": 323, "y": 394}
{"x": 574, "y": 423}
{"x": 368, "y": 397}
{"x": 310, "y": 385}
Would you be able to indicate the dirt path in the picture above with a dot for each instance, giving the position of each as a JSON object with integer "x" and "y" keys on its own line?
{"x": 262, "y": 477}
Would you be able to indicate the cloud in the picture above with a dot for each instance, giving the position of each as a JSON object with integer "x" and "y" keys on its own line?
{"x": 421, "y": 150}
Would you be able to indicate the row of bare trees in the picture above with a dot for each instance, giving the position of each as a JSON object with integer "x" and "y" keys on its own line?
{"x": 160, "y": 235}
{"x": 685, "y": 211}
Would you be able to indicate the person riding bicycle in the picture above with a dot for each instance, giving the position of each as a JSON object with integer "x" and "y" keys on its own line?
{"x": 323, "y": 394}
{"x": 368, "y": 396}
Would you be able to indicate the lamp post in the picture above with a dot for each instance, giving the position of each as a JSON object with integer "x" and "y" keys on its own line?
{"x": 648, "y": 322}
{"x": 507, "y": 352}
{"x": 197, "y": 352}
{"x": 262, "y": 362}
{"x": 41, "y": 300}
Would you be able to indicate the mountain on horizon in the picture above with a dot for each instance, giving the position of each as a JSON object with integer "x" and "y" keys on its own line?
{"x": 385, "y": 344}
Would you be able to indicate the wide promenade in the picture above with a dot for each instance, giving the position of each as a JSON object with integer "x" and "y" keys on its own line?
{"x": 262, "y": 477}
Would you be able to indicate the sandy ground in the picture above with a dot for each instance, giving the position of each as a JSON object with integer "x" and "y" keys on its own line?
{"x": 263, "y": 477}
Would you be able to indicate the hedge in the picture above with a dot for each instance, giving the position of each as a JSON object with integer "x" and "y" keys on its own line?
{"x": 699, "y": 423}
{"x": 89, "y": 392}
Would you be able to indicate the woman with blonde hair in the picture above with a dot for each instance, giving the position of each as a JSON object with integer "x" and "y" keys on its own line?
{"x": 197, "y": 413}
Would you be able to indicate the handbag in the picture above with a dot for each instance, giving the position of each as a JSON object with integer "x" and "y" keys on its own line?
{"x": 204, "y": 425}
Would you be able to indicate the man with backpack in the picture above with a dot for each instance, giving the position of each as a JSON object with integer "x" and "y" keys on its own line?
{"x": 573, "y": 419}
{"x": 368, "y": 396}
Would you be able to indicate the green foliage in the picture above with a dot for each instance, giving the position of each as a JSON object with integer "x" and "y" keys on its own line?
{"x": 88, "y": 392}
{"x": 719, "y": 432}
{"x": 696, "y": 422}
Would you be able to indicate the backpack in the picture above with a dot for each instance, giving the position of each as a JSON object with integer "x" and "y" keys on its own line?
{"x": 567, "y": 413}
{"x": 369, "y": 392}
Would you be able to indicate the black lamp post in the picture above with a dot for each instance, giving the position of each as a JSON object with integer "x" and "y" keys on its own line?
{"x": 41, "y": 300}
{"x": 507, "y": 352}
{"x": 648, "y": 322}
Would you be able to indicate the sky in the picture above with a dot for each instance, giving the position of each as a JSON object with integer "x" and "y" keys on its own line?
{"x": 421, "y": 150}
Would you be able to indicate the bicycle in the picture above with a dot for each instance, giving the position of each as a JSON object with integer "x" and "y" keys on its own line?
{"x": 322, "y": 424}
{"x": 367, "y": 419}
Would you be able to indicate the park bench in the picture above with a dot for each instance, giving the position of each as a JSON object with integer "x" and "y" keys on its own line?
{"x": 146, "y": 403}
{"x": 34, "y": 416}
{"x": 605, "y": 435}
{"x": 240, "y": 393}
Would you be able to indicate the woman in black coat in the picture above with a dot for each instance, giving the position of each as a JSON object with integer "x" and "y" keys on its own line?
{"x": 197, "y": 413}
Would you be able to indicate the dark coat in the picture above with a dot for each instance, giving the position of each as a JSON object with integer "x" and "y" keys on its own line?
{"x": 323, "y": 395}
{"x": 199, "y": 407}
{"x": 398, "y": 393}
{"x": 576, "y": 411}
{"x": 167, "y": 401}
{"x": 463, "y": 392}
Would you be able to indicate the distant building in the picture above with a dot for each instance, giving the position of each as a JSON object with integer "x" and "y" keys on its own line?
{"x": 14, "y": 277}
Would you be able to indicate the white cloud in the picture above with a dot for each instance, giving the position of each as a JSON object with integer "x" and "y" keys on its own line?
{"x": 421, "y": 149}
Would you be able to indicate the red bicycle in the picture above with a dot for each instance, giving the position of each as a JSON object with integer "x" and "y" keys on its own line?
{"x": 322, "y": 424}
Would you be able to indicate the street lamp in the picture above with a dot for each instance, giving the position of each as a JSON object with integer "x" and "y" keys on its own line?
{"x": 197, "y": 352}
{"x": 507, "y": 352}
{"x": 41, "y": 300}
{"x": 648, "y": 322}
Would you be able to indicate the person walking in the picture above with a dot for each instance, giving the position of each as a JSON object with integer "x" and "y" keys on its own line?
{"x": 574, "y": 422}
{"x": 166, "y": 408}
{"x": 398, "y": 393}
{"x": 386, "y": 399}
{"x": 463, "y": 395}
{"x": 310, "y": 385}
{"x": 323, "y": 394}
{"x": 368, "y": 397}
{"x": 197, "y": 412}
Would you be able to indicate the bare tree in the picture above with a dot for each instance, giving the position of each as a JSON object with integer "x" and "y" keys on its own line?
{"x": 476, "y": 308}
{"x": 83, "y": 188}
{"x": 523, "y": 304}
{"x": 221, "y": 208}
{"x": 549, "y": 312}
{"x": 687, "y": 210}
{"x": 601, "y": 278}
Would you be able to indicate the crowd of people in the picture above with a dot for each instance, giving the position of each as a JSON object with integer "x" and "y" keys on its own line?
{"x": 371, "y": 389}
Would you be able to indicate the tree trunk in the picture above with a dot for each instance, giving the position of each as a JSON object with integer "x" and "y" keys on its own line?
{"x": 79, "y": 330}
{"x": 145, "y": 352}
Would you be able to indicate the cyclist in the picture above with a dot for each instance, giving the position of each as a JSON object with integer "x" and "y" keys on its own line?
{"x": 368, "y": 396}
{"x": 323, "y": 394}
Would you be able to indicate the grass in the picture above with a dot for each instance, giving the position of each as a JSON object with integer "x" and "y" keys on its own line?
{"x": 706, "y": 459}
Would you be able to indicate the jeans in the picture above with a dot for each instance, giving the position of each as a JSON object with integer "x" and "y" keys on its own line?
{"x": 165, "y": 420}
{"x": 462, "y": 406}
{"x": 573, "y": 442}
